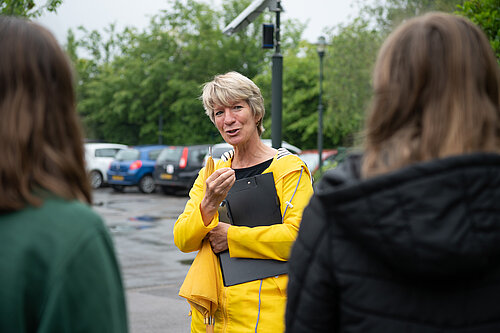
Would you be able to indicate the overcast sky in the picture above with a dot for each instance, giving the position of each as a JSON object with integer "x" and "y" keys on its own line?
{"x": 97, "y": 14}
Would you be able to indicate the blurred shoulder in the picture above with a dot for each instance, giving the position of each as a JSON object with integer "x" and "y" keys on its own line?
{"x": 59, "y": 215}
{"x": 77, "y": 211}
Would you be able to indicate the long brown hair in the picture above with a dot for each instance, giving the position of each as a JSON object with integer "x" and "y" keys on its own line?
{"x": 41, "y": 140}
{"x": 436, "y": 94}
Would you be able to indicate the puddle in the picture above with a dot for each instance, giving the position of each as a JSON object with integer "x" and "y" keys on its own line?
{"x": 186, "y": 262}
{"x": 127, "y": 228}
{"x": 145, "y": 218}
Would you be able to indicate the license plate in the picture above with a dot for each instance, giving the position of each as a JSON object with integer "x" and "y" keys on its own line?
{"x": 165, "y": 176}
{"x": 117, "y": 177}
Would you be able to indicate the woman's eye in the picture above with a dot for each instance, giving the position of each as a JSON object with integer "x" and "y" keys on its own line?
{"x": 218, "y": 113}
{"x": 238, "y": 107}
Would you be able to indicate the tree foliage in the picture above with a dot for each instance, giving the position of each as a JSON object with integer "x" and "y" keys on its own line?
{"x": 27, "y": 8}
{"x": 349, "y": 63}
{"x": 139, "y": 87}
{"x": 390, "y": 13}
{"x": 300, "y": 95}
{"x": 132, "y": 80}
{"x": 486, "y": 14}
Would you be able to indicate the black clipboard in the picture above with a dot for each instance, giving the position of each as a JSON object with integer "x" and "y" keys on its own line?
{"x": 251, "y": 202}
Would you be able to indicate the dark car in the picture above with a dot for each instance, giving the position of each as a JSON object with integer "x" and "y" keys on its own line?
{"x": 134, "y": 167}
{"x": 177, "y": 167}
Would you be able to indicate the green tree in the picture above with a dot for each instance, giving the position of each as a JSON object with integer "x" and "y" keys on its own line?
{"x": 390, "y": 13}
{"x": 486, "y": 14}
{"x": 350, "y": 58}
{"x": 348, "y": 66}
{"x": 129, "y": 81}
{"x": 27, "y": 8}
{"x": 300, "y": 95}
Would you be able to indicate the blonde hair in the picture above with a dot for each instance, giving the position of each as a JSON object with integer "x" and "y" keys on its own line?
{"x": 436, "y": 94}
{"x": 228, "y": 88}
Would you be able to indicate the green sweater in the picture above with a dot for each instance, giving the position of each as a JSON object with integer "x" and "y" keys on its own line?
{"x": 58, "y": 271}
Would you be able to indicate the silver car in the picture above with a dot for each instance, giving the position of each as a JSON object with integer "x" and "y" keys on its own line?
{"x": 98, "y": 157}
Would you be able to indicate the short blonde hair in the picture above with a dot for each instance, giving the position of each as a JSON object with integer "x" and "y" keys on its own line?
{"x": 228, "y": 88}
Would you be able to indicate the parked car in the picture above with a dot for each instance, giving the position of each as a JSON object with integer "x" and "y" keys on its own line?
{"x": 311, "y": 157}
{"x": 220, "y": 148}
{"x": 98, "y": 157}
{"x": 177, "y": 167}
{"x": 134, "y": 167}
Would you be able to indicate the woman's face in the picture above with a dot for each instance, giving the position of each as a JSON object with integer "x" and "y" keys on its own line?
{"x": 236, "y": 123}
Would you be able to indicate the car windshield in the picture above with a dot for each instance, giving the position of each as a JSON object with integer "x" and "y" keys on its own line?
{"x": 106, "y": 152}
{"x": 153, "y": 154}
{"x": 170, "y": 154}
{"x": 128, "y": 155}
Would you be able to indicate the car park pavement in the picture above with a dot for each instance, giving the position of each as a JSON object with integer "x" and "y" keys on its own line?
{"x": 157, "y": 309}
{"x": 152, "y": 267}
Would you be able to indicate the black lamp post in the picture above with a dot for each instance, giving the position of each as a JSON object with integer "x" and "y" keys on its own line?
{"x": 321, "y": 46}
{"x": 277, "y": 84}
{"x": 241, "y": 21}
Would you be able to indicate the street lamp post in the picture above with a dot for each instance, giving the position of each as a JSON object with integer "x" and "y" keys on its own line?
{"x": 321, "y": 45}
{"x": 277, "y": 85}
{"x": 241, "y": 21}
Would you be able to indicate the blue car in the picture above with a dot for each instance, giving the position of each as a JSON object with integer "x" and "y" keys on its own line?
{"x": 134, "y": 167}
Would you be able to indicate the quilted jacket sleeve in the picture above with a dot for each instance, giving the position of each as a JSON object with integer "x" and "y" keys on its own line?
{"x": 312, "y": 295}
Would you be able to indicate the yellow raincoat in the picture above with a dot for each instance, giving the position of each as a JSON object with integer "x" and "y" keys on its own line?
{"x": 238, "y": 305}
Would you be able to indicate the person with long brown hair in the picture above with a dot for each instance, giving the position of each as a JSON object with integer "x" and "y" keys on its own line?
{"x": 58, "y": 268}
{"x": 405, "y": 237}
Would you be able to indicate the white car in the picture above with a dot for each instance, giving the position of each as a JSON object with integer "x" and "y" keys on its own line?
{"x": 98, "y": 157}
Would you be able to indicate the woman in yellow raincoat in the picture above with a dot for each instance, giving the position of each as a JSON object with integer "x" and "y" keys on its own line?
{"x": 236, "y": 107}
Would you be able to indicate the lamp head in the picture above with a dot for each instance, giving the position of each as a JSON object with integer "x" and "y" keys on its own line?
{"x": 321, "y": 46}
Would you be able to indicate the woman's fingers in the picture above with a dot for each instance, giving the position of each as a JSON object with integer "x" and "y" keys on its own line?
{"x": 220, "y": 182}
{"x": 218, "y": 237}
{"x": 217, "y": 186}
{"x": 221, "y": 174}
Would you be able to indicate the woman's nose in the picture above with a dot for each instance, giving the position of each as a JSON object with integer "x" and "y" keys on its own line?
{"x": 228, "y": 116}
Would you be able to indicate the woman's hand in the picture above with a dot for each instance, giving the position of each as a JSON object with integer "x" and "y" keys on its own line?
{"x": 218, "y": 237}
{"x": 217, "y": 186}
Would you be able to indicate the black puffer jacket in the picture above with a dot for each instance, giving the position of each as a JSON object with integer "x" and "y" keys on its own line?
{"x": 415, "y": 250}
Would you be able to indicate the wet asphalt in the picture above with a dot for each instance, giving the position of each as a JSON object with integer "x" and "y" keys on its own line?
{"x": 152, "y": 267}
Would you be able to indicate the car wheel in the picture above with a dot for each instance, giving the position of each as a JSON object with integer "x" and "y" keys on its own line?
{"x": 147, "y": 184}
{"x": 118, "y": 188}
{"x": 95, "y": 179}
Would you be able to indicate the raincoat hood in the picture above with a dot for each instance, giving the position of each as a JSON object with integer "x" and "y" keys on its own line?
{"x": 432, "y": 220}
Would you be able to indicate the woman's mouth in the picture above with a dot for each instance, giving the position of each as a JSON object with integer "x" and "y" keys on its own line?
{"x": 232, "y": 132}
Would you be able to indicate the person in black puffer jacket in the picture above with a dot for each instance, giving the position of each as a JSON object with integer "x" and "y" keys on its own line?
{"x": 406, "y": 236}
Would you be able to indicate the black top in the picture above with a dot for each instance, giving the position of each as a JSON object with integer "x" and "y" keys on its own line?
{"x": 414, "y": 250}
{"x": 253, "y": 170}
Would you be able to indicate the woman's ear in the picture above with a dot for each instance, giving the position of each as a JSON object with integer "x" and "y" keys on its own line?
{"x": 258, "y": 119}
